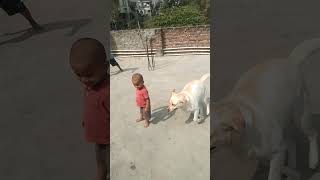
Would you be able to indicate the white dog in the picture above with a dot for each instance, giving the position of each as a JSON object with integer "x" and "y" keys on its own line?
{"x": 262, "y": 108}
{"x": 191, "y": 98}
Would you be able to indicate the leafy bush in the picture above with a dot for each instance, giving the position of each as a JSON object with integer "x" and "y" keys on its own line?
{"x": 179, "y": 16}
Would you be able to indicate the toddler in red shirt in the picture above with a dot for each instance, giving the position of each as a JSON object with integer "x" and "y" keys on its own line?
{"x": 142, "y": 99}
{"x": 88, "y": 62}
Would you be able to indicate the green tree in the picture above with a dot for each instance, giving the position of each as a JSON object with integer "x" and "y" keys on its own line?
{"x": 171, "y": 3}
{"x": 114, "y": 10}
{"x": 187, "y": 15}
{"x": 203, "y": 5}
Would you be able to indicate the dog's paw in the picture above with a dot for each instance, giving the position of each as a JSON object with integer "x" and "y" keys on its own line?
{"x": 313, "y": 154}
{"x": 313, "y": 160}
{"x": 292, "y": 174}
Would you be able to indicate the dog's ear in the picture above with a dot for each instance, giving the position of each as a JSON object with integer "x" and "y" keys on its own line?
{"x": 237, "y": 122}
{"x": 183, "y": 99}
{"x": 173, "y": 91}
{"x": 231, "y": 116}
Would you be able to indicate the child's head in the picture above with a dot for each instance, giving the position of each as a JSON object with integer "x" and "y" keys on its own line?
{"x": 137, "y": 80}
{"x": 88, "y": 61}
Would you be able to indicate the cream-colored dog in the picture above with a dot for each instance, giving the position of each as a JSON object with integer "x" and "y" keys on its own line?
{"x": 262, "y": 111}
{"x": 191, "y": 98}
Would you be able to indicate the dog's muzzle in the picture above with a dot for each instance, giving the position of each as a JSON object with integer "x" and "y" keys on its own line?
{"x": 170, "y": 110}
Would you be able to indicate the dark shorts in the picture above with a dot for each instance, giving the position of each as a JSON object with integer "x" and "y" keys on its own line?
{"x": 113, "y": 62}
{"x": 103, "y": 150}
{"x": 145, "y": 114}
{"x": 12, "y": 7}
{"x": 103, "y": 154}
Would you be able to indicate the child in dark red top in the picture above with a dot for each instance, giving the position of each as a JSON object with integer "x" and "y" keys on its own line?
{"x": 142, "y": 99}
{"x": 88, "y": 61}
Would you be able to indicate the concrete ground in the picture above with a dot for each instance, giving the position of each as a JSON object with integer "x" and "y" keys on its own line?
{"x": 173, "y": 147}
{"x": 41, "y": 100}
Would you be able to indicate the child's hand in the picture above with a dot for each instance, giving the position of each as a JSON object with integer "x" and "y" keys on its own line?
{"x": 146, "y": 109}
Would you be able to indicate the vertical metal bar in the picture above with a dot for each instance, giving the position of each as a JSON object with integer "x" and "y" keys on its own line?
{"x": 152, "y": 55}
{"x": 149, "y": 68}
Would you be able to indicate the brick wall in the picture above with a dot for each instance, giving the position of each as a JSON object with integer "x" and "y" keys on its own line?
{"x": 197, "y": 36}
{"x": 186, "y": 37}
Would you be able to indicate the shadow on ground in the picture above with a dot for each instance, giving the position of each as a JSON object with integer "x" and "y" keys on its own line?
{"x": 161, "y": 65}
{"x": 190, "y": 119}
{"x": 124, "y": 70}
{"x": 161, "y": 114}
{"x": 76, "y": 25}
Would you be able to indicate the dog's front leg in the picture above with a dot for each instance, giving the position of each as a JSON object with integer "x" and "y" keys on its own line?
{"x": 313, "y": 142}
{"x": 207, "y": 104}
{"x": 313, "y": 153}
{"x": 307, "y": 122}
{"x": 291, "y": 172}
{"x": 202, "y": 111}
{"x": 196, "y": 115}
{"x": 292, "y": 153}
{"x": 276, "y": 165}
{"x": 309, "y": 130}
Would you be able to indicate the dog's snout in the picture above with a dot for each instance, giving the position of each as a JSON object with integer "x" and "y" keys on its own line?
{"x": 170, "y": 108}
{"x": 213, "y": 140}
{"x": 212, "y": 144}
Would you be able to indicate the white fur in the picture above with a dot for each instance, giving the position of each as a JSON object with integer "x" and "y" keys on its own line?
{"x": 313, "y": 154}
{"x": 191, "y": 98}
{"x": 267, "y": 96}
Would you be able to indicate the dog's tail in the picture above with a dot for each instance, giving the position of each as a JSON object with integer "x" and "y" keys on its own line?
{"x": 304, "y": 50}
{"x": 204, "y": 77}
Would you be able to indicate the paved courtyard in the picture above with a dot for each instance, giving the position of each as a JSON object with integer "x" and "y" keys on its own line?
{"x": 41, "y": 100}
{"x": 173, "y": 147}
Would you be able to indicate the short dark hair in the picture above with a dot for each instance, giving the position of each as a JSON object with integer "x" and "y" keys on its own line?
{"x": 137, "y": 77}
{"x": 87, "y": 51}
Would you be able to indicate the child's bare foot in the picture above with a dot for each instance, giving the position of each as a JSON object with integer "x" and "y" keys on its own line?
{"x": 146, "y": 124}
{"x": 140, "y": 119}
